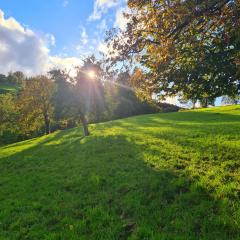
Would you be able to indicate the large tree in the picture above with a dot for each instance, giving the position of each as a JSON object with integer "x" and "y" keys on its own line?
{"x": 89, "y": 92}
{"x": 188, "y": 47}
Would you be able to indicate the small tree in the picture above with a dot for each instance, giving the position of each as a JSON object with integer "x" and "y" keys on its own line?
{"x": 64, "y": 113}
{"x": 35, "y": 104}
{"x": 8, "y": 113}
{"x": 3, "y": 79}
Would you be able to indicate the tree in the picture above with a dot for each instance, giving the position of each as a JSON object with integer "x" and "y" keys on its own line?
{"x": 142, "y": 84}
{"x": 3, "y": 79}
{"x": 201, "y": 73}
{"x": 17, "y": 77}
{"x": 64, "y": 113}
{"x": 124, "y": 99}
{"x": 9, "y": 116}
{"x": 35, "y": 103}
{"x": 127, "y": 101}
{"x": 8, "y": 113}
{"x": 184, "y": 47}
{"x": 89, "y": 91}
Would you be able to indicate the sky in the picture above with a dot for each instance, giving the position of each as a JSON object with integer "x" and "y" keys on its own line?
{"x": 37, "y": 35}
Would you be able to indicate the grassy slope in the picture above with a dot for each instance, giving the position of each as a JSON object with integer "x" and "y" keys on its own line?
{"x": 7, "y": 88}
{"x": 163, "y": 176}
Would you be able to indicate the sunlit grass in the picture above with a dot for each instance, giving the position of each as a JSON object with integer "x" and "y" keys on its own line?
{"x": 4, "y": 88}
{"x": 160, "y": 176}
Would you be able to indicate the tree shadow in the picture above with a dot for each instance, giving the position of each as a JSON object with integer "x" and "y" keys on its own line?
{"x": 208, "y": 151}
{"x": 105, "y": 187}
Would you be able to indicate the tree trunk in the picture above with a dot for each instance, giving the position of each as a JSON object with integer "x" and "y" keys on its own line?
{"x": 193, "y": 104}
{"x": 204, "y": 103}
{"x": 85, "y": 125}
{"x": 47, "y": 123}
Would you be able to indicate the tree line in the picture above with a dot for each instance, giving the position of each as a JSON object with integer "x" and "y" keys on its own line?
{"x": 185, "y": 49}
{"x": 46, "y": 103}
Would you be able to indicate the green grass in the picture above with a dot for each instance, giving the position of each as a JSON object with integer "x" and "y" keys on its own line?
{"x": 6, "y": 88}
{"x": 161, "y": 176}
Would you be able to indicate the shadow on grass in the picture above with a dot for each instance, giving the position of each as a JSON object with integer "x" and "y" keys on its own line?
{"x": 104, "y": 188}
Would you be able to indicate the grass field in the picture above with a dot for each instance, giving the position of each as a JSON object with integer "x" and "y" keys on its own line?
{"x": 163, "y": 176}
{"x": 6, "y": 88}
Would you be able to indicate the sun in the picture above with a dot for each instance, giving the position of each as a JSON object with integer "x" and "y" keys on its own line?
{"x": 91, "y": 74}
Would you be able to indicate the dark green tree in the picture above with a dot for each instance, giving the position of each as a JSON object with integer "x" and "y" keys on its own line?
{"x": 63, "y": 99}
{"x": 189, "y": 47}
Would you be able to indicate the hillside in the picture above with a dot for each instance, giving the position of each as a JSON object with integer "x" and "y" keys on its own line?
{"x": 8, "y": 88}
{"x": 160, "y": 176}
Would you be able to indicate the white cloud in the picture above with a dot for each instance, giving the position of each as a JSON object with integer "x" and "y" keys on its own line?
{"x": 103, "y": 48}
{"x": 25, "y": 50}
{"x": 101, "y": 7}
{"x": 106, "y": 49}
{"x": 171, "y": 100}
{"x": 121, "y": 21}
{"x": 102, "y": 25}
{"x": 65, "y": 3}
{"x": 64, "y": 63}
{"x": 21, "y": 49}
{"x": 84, "y": 36}
{"x": 11, "y": 23}
{"x": 51, "y": 39}
{"x": 84, "y": 41}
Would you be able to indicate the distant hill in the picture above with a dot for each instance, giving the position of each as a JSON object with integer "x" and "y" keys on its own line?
{"x": 158, "y": 176}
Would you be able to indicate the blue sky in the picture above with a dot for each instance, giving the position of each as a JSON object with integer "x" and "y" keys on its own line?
{"x": 51, "y": 16}
{"x": 37, "y": 35}
{"x": 63, "y": 28}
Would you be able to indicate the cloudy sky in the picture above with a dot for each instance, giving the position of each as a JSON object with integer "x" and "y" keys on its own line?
{"x": 40, "y": 34}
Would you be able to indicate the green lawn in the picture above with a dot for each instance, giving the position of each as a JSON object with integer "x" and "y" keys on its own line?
{"x": 6, "y": 88}
{"x": 162, "y": 176}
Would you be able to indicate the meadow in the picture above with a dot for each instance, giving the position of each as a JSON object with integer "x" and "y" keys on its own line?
{"x": 8, "y": 88}
{"x": 159, "y": 176}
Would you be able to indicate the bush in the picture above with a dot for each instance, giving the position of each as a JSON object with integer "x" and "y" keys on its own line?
{"x": 167, "y": 107}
